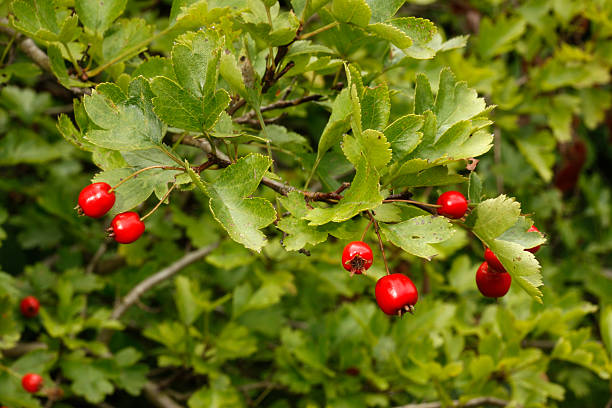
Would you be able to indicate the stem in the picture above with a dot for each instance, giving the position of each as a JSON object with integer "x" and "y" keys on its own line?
{"x": 127, "y": 53}
{"x": 319, "y": 30}
{"x": 137, "y": 172}
{"x": 158, "y": 204}
{"x": 366, "y": 230}
{"x": 380, "y": 243}
{"x": 72, "y": 60}
{"x": 8, "y": 47}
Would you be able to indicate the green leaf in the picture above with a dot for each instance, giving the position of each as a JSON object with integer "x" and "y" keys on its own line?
{"x": 89, "y": 379}
{"x": 391, "y": 33}
{"x": 423, "y": 96}
{"x": 474, "y": 188}
{"x": 179, "y": 108}
{"x": 218, "y": 395}
{"x": 242, "y": 216}
{"x": 299, "y": 233}
{"x": 337, "y": 124}
{"x": 123, "y": 36}
{"x": 404, "y": 136}
{"x": 455, "y": 102}
{"x": 416, "y": 235}
{"x": 186, "y": 300}
{"x": 372, "y": 145}
{"x": 195, "y": 57}
{"x": 362, "y": 195}
{"x": 539, "y": 151}
{"x": 99, "y": 15}
{"x": 233, "y": 342}
{"x": 497, "y": 37}
{"x": 131, "y": 125}
{"x": 492, "y": 218}
{"x": 58, "y": 68}
{"x": 352, "y": 11}
{"x": 605, "y": 323}
{"x": 578, "y": 348}
{"x": 375, "y": 107}
{"x": 228, "y": 68}
{"x": 35, "y": 18}
{"x": 383, "y": 10}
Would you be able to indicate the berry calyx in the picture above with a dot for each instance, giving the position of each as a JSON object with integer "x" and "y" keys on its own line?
{"x": 396, "y": 294}
{"x": 492, "y": 283}
{"x": 32, "y": 382}
{"x": 535, "y": 248}
{"x": 357, "y": 257}
{"x": 95, "y": 200}
{"x": 452, "y": 204}
{"x": 126, "y": 227}
{"x": 493, "y": 262}
{"x": 29, "y": 306}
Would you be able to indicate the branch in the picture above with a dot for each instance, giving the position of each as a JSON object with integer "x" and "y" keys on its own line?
{"x": 475, "y": 402}
{"x": 279, "y": 105}
{"x": 158, "y": 398}
{"x": 159, "y": 277}
{"x": 29, "y": 47}
{"x": 224, "y": 161}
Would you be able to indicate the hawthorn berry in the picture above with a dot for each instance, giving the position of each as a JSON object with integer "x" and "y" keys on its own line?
{"x": 493, "y": 262}
{"x": 29, "y": 306}
{"x": 32, "y": 382}
{"x": 492, "y": 283}
{"x": 357, "y": 257}
{"x": 453, "y": 204}
{"x": 396, "y": 294}
{"x": 96, "y": 199}
{"x": 127, "y": 227}
{"x": 535, "y": 248}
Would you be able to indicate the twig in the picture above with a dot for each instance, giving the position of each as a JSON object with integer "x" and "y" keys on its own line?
{"x": 475, "y": 402}
{"x": 158, "y": 398}
{"x": 159, "y": 277}
{"x": 147, "y": 215}
{"x": 380, "y": 243}
{"x": 224, "y": 161}
{"x": 29, "y": 48}
{"x": 279, "y": 105}
{"x": 24, "y": 348}
{"x": 319, "y": 30}
{"x": 27, "y": 45}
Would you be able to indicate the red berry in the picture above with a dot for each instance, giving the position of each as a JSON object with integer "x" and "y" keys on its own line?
{"x": 396, "y": 294}
{"x": 127, "y": 227}
{"x": 95, "y": 200}
{"x": 29, "y": 306}
{"x": 535, "y": 248}
{"x": 492, "y": 283}
{"x": 453, "y": 204}
{"x": 32, "y": 382}
{"x": 357, "y": 257}
{"x": 493, "y": 262}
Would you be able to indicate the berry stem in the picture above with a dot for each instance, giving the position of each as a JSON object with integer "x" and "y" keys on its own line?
{"x": 365, "y": 231}
{"x": 380, "y": 243}
{"x": 158, "y": 204}
{"x": 137, "y": 172}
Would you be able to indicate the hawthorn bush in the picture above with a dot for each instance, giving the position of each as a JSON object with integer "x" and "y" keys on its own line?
{"x": 255, "y": 140}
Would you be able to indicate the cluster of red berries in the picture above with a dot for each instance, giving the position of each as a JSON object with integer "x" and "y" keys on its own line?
{"x": 97, "y": 199}
{"x": 492, "y": 278}
{"x": 395, "y": 293}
